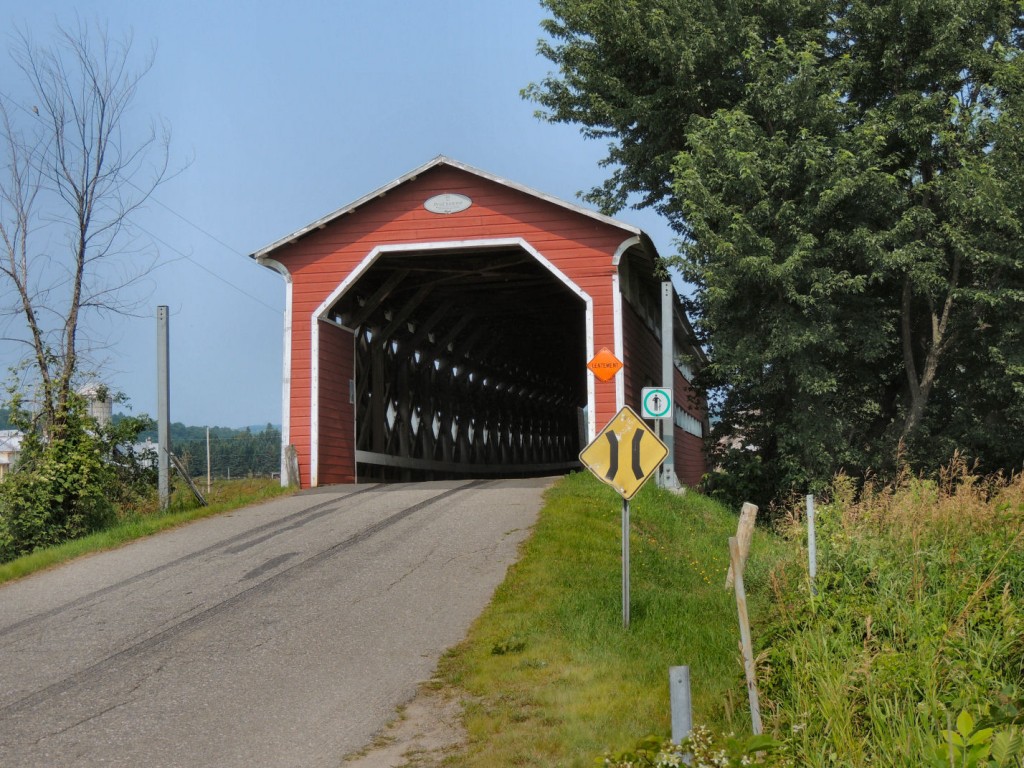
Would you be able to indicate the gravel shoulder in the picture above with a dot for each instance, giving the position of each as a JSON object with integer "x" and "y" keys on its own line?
{"x": 425, "y": 732}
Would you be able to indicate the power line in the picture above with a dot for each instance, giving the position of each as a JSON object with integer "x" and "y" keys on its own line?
{"x": 201, "y": 230}
{"x": 192, "y": 224}
{"x": 206, "y": 269}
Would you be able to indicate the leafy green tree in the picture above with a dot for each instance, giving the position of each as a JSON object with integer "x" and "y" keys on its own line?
{"x": 70, "y": 482}
{"x": 845, "y": 178}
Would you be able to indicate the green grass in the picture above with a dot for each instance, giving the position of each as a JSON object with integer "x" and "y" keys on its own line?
{"x": 552, "y": 676}
{"x": 919, "y": 616}
{"x": 145, "y": 521}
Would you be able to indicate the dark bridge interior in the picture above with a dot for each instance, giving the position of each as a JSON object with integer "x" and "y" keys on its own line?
{"x": 468, "y": 363}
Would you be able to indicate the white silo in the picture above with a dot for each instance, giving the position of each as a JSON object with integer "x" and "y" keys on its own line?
{"x": 99, "y": 403}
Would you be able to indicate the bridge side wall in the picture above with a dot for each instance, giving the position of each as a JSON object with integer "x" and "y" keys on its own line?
{"x": 691, "y": 462}
{"x": 645, "y": 371}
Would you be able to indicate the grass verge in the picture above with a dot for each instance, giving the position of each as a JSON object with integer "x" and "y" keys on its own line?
{"x": 135, "y": 524}
{"x": 551, "y": 675}
{"x": 918, "y": 616}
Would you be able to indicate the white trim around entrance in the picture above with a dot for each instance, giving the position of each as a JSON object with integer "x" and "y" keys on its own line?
{"x": 447, "y": 245}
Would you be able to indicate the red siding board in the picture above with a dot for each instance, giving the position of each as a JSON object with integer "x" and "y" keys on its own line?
{"x": 642, "y": 366}
{"x": 691, "y": 462}
{"x": 336, "y": 416}
{"x": 643, "y": 369}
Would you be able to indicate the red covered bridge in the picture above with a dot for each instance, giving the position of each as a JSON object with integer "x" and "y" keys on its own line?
{"x": 440, "y": 326}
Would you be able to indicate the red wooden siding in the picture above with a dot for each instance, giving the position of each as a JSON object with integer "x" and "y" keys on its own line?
{"x": 644, "y": 370}
{"x": 643, "y": 367}
{"x": 336, "y": 414}
{"x": 689, "y": 449}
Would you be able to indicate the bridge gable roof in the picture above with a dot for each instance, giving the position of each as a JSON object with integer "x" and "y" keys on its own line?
{"x": 439, "y": 162}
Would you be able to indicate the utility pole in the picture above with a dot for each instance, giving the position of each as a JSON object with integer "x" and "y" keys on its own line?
{"x": 163, "y": 407}
{"x": 208, "y": 478}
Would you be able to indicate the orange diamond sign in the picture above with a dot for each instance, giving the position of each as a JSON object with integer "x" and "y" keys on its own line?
{"x": 604, "y": 365}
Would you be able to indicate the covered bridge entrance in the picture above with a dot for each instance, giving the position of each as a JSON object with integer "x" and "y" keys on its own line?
{"x": 441, "y": 325}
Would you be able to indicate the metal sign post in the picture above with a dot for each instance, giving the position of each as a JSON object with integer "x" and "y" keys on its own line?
{"x": 668, "y": 471}
{"x": 625, "y": 563}
{"x": 624, "y": 455}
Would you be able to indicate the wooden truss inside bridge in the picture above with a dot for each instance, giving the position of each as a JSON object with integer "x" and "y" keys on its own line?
{"x": 465, "y": 361}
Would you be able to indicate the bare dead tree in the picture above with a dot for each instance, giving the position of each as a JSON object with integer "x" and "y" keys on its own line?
{"x": 76, "y": 172}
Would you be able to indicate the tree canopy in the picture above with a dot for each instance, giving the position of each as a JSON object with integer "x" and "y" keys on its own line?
{"x": 845, "y": 178}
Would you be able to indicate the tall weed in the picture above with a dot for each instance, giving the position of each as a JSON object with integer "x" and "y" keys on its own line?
{"x": 915, "y": 617}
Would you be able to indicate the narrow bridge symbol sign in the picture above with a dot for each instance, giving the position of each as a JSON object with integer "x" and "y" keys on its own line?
{"x": 625, "y": 454}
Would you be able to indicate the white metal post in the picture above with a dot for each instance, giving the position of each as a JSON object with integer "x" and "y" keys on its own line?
{"x": 668, "y": 468}
{"x": 812, "y": 545}
{"x": 681, "y": 706}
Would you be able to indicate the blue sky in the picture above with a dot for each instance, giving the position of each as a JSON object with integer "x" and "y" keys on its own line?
{"x": 288, "y": 112}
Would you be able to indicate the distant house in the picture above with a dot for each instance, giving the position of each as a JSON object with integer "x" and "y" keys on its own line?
{"x": 10, "y": 447}
{"x": 146, "y": 453}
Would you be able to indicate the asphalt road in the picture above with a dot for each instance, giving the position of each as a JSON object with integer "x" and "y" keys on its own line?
{"x": 284, "y": 634}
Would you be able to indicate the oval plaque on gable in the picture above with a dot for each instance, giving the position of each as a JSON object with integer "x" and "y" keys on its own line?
{"x": 448, "y": 202}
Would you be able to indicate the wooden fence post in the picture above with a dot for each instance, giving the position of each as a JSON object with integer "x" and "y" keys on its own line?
{"x": 745, "y": 641}
{"x": 744, "y": 533}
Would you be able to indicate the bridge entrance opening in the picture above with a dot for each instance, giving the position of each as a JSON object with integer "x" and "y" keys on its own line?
{"x": 467, "y": 362}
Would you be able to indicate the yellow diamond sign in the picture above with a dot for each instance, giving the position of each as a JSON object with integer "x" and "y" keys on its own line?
{"x": 625, "y": 454}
